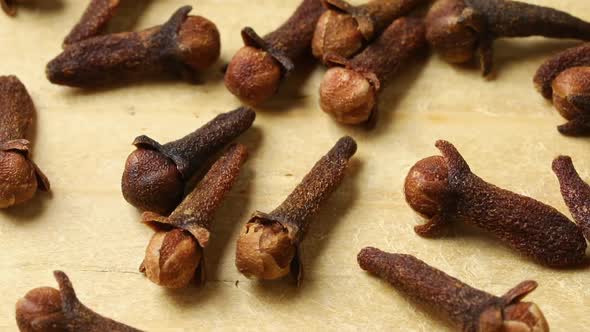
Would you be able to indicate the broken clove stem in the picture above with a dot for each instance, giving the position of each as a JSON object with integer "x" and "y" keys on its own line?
{"x": 155, "y": 174}
{"x": 47, "y": 309}
{"x": 268, "y": 246}
{"x": 93, "y": 21}
{"x": 257, "y": 69}
{"x": 443, "y": 189}
{"x": 185, "y": 44}
{"x": 174, "y": 258}
{"x": 460, "y": 29}
{"x": 349, "y": 90}
{"x": 470, "y": 308}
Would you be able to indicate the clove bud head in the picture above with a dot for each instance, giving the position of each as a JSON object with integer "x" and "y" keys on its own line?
{"x": 336, "y": 33}
{"x": 571, "y": 82}
{"x": 524, "y": 317}
{"x": 347, "y": 96}
{"x": 40, "y": 311}
{"x": 199, "y": 43}
{"x": 172, "y": 258}
{"x": 426, "y": 186}
{"x": 18, "y": 178}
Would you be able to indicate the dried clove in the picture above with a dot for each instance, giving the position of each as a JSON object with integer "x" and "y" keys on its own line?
{"x": 343, "y": 30}
{"x": 460, "y": 29}
{"x": 574, "y": 57}
{"x": 47, "y": 309}
{"x": 571, "y": 98}
{"x": 575, "y": 192}
{"x": 174, "y": 257}
{"x": 184, "y": 44}
{"x": 268, "y": 246}
{"x": 155, "y": 174}
{"x": 443, "y": 189}
{"x": 93, "y": 21}
{"x": 257, "y": 69}
{"x": 471, "y": 309}
{"x": 20, "y": 178}
{"x": 349, "y": 91}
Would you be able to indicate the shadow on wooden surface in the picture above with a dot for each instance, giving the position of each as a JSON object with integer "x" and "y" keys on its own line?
{"x": 44, "y": 5}
{"x": 28, "y": 211}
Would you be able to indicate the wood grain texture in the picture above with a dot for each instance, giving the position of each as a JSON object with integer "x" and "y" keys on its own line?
{"x": 503, "y": 127}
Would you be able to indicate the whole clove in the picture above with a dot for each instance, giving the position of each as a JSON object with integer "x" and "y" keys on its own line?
{"x": 575, "y": 192}
{"x": 185, "y": 44}
{"x": 343, "y": 30}
{"x": 268, "y": 246}
{"x": 460, "y": 29}
{"x": 20, "y": 178}
{"x": 93, "y": 21}
{"x": 349, "y": 90}
{"x": 469, "y": 308}
{"x": 155, "y": 175}
{"x": 443, "y": 189}
{"x": 175, "y": 257}
{"x": 257, "y": 69}
{"x": 47, "y": 309}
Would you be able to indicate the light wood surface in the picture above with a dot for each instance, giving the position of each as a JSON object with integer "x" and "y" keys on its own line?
{"x": 503, "y": 127}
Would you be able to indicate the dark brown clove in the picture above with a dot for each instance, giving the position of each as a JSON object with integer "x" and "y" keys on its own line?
{"x": 173, "y": 258}
{"x": 47, "y": 309}
{"x": 155, "y": 174}
{"x": 443, "y": 189}
{"x": 93, "y": 21}
{"x": 268, "y": 246}
{"x": 185, "y": 43}
{"x": 256, "y": 70}
{"x": 471, "y": 309}
{"x": 349, "y": 91}
{"x": 575, "y": 192}
{"x": 343, "y": 30}
{"x": 20, "y": 178}
{"x": 460, "y": 29}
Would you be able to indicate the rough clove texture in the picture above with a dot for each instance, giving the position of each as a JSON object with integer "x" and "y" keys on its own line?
{"x": 268, "y": 247}
{"x": 185, "y": 44}
{"x": 571, "y": 97}
{"x": 155, "y": 174}
{"x": 575, "y": 192}
{"x": 20, "y": 178}
{"x": 343, "y": 30}
{"x": 443, "y": 189}
{"x": 471, "y": 309}
{"x": 256, "y": 71}
{"x": 93, "y": 21}
{"x": 460, "y": 29}
{"x": 349, "y": 91}
{"x": 50, "y": 310}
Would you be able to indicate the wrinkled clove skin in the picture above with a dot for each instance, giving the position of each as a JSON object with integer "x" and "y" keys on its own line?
{"x": 571, "y": 97}
{"x": 575, "y": 192}
{"x": 257, "y": 70}
{"x": 574, "y": 57}
{"x": 349, "y": 91}
{"x": 443, "y": 189}
{"x": 93, "y": 21}
{"x": 471, "y": 309}
{"x": 460, "y": 29}
{"x": 173, "y": 258}
{"x": 343, "y": 30}
{"x": 268, "y": 246}
{"x": 155, "y": 175}
{"x": 20, "y": 178}
{"x": 186, "y": 44}
{"x": 47, "y": 309}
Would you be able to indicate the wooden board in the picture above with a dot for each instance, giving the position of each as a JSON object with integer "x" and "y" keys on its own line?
{"x": 503, "y": 127}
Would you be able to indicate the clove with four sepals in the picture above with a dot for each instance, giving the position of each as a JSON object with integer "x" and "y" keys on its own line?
{"x": 175, "y": 257}
{"x": 461, "y": 29}
{"x": 95, "y": 18}
{"x": 268, "y": 246}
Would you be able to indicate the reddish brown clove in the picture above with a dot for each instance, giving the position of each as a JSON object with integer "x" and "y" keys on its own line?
{"x": 256, "y": 70}
{"x": 173, "y": 258}
{"x": 20, "y": 178}
{"x": 93, "y": 21}
{"x": 155, "y": 174}
{"x": 571, "y": 97}
{"x": 349, "y": 92}
{"x": 343, "y": 30}
{"x": 460, "y": 29}
{"x": 575, "y": 192}
{"x": 443, "y": 189}
{"x": 185, "y": 43}
{"x": 47, "y": 309}
{"x": 574, "y": 57}
{"x": 471, "y": 309}
{"x": 268, "y": 246}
